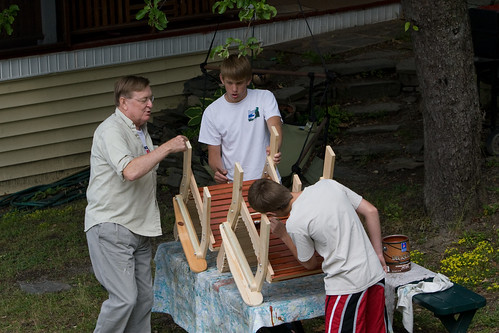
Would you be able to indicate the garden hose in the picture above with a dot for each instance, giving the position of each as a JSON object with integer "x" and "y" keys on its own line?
{"x": 50, "y": 195}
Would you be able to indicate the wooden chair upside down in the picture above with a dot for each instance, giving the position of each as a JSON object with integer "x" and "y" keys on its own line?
{"x": 275, "y": 262}
{"x": 219, "y": 217}
{"x": 200, "y": 211}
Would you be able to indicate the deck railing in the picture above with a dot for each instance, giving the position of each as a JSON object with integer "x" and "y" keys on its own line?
{"x": 74, "y": 22}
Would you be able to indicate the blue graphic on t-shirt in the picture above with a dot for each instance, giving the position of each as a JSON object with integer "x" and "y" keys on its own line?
{"x": 253, "y": 114}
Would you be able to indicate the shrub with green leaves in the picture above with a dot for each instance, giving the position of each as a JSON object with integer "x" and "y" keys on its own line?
{"x": 337, "y": 117}
{"x": 195, "y": 113}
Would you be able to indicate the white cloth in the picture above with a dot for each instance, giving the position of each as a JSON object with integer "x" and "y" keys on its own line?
{"x": 324, "y": 219}
{"x": 241, "y": 131}
{"x": 440, "y": 282}
{"x": 395, "y": 280}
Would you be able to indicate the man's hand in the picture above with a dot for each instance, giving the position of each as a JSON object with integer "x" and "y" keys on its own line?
{"x": 141, "y": 165}
{"x": 177, "y": 144}
{"x": 277, "y": 157}
{"x": 220, "y": 176}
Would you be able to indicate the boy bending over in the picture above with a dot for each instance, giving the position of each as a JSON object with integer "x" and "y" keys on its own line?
{"x": 323, "y": 218}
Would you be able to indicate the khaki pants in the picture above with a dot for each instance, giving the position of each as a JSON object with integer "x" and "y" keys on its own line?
{"x": 122, "y": 264}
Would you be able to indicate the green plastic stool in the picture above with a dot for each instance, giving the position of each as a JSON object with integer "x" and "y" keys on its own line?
{"x": 446, "y": 304}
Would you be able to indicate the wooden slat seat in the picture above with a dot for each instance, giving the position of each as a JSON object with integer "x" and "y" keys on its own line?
{"x": 221, "y": 198}
{"x": 284, "y": 265}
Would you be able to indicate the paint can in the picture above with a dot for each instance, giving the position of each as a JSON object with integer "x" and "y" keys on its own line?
{"x": 397, "y": 253}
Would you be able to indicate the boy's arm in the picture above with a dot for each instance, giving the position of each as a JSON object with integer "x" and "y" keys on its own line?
{"x": 279, "y": 229}
{"x": 277, "y": 123}
{"x": 215, "y": 162}
{"x": 371, "y": 216}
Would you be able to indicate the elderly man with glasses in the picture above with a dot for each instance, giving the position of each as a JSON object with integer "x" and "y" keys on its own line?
{"x": 122, "y": 212}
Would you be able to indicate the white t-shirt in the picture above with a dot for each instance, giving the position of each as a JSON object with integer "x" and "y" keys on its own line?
{"x": 323, "y": 218}
{"x": 241, "y": 130}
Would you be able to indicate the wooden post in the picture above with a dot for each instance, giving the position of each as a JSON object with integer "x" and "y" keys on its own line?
{"x": 234, "y": 211}
{"x": 186, "y": 172}
{"x": 269, "y": 170}
{"x": 297, "y": 185}
{"x": 205, "y": 224}
{"x": 329, "y": 159}
{"x": 263, "y": 253}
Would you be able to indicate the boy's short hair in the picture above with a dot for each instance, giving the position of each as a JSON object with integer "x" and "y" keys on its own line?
{"x": 236, "y": 67}
{"x": 266, "y": 195}
{"x": 128, "y": 84}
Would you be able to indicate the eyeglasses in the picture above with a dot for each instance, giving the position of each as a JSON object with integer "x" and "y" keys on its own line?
{"x": 144, "y": 100}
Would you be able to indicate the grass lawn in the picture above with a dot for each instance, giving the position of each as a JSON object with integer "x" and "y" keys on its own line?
{"x": 49, "y": 244}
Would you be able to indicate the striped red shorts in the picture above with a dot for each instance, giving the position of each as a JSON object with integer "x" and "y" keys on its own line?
{"x": 363, "y": 312}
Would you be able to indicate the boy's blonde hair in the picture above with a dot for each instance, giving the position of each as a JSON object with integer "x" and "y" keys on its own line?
{"x": 236, "y": 67}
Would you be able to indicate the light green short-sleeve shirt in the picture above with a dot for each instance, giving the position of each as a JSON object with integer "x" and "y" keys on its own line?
{"x": 112, "y": 198}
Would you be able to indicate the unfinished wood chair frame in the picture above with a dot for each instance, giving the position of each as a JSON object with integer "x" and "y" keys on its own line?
{"x": 250, "y": 285}
{"x": 194, "y": 248}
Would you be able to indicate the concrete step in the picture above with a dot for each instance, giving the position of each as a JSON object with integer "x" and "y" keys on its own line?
{"x": 290, "y": 94}
{"x": 367, "y": 149}
{"x": 363, "y": 66}
{"x": 373, "y": 129}
{"x": 406, "y": 71}
{"x": 375, "y": 108}
{"x": 368, "y": 89}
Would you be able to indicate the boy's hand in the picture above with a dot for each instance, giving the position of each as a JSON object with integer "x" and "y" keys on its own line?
{"x": 220, "y": 176}
{"x": 277, "y": 157}
{"x": 277, "y": 227}
{"x": 383, "y": 263}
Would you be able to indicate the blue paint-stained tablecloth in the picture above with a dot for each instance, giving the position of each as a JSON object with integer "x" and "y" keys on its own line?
{"x": 210, "y": 302}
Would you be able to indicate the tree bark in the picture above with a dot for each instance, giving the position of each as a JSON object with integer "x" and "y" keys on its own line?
{"x": 452, "y": 123}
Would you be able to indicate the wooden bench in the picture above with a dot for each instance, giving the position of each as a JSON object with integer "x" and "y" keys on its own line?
{"x": 455, "y": 307}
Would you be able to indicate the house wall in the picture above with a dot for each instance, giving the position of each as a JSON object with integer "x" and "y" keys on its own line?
{"x": 47, "y": 122}
{"x": 51, "y": 104}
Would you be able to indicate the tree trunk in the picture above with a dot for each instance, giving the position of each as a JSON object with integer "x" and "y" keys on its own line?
{"x": 452, "y": 123}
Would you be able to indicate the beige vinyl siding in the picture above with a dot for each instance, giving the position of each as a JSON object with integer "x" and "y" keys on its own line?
{"x": 47, "y": 122}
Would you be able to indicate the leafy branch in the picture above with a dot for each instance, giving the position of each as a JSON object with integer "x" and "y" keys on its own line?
{"x": 249, "y": 10}
{"x": 251, "y": 45}
{"x": 407, "y": 25}
{"x": 157, "y": 18}
{"x": 7, "y": 17}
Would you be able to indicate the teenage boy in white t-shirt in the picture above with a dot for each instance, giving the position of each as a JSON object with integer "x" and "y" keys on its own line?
{"x": 236, "y": 127}
{"x": 323, "y": 218}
